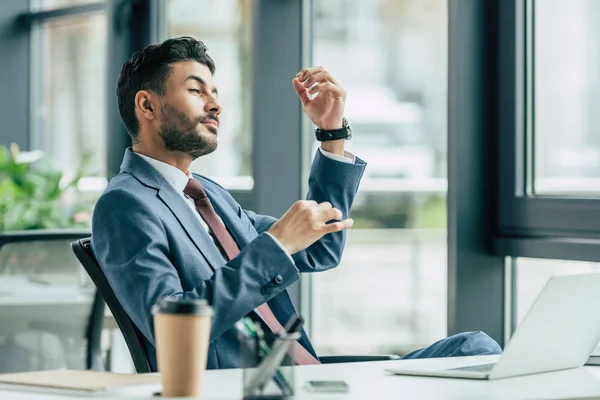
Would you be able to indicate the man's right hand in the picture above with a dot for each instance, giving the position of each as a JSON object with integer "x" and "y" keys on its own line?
{"x": 305, "y": 223}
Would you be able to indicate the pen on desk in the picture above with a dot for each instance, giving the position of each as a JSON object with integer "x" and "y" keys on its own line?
{"x": 263, "y": 347}
{"x": 252, "y": 330}
{"x": 242, "y": 329}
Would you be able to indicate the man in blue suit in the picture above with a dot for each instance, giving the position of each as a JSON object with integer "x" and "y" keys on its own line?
{"x": 159, "y": 230}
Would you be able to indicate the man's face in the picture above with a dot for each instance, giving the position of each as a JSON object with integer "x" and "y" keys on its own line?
{"x": 189, "y": 112}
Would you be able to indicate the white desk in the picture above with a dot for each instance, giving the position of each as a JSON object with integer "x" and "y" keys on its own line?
{"x": 369, "y": 381}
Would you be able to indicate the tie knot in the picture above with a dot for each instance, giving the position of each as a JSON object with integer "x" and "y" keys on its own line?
{"x": 194, "y": 190}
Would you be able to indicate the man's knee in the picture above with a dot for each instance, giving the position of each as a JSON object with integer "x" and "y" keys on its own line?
{"x": 474, "y": 344}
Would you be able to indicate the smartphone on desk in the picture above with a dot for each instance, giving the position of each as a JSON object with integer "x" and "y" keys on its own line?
{"x": 327, "y": 386}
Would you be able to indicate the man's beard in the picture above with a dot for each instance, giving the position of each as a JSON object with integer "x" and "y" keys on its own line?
{"x": 178, "y": 133}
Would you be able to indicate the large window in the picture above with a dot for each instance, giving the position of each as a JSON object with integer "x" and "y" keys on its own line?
{"x": 69, "y": 99}
{"x": 566, "y": 97}
{"x": 561, "y": 148}
{"x": 549, "y": 91}
{"x": 225, "y": 27}
{"x": 390, "y": 289}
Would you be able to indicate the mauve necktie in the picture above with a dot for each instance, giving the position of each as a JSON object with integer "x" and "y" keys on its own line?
{"x": 231, "y": 250}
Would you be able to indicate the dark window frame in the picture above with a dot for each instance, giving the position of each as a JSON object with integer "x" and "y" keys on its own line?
{"x": 14, "y": 80}
{"x": 477, "y": 291}
{"x": 31, "y": 17}
{"x": 538, "y": 226}
{"x": 31, "y": 22}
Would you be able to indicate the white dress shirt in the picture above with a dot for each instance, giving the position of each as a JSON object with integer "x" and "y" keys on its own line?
{"x": 178, "y": 180}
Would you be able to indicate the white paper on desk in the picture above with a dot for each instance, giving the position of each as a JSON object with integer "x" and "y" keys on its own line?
{"x": 83, "y": 381}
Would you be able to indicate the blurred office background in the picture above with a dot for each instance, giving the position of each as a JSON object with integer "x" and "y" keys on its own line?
{"x": 390, "y": 293}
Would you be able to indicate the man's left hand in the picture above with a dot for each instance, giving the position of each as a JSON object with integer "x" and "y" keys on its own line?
{"x": 326, "y": 109}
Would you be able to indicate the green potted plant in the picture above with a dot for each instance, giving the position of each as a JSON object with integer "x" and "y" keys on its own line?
{"x": 43, "y": 210}
{"x": 35, "y": 195}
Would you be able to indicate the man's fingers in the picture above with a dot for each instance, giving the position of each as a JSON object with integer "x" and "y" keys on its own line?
{"x": 338, "y": 226}
{"x": 327, "y": 87}
{"x": 301, "y": 91}
{"x": 306, "y": 204}
{"x": 306, "y": 72}
{"x": 325, "y": 205}
{"x": 321, "y": 76}
{"x": 331, "y": 214}
{"x": 319, "y": 87}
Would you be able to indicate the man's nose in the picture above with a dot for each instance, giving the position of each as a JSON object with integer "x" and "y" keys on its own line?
{"x": 213, "y": 106}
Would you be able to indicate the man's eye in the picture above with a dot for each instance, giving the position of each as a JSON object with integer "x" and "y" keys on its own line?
{"x": 195, "y": 91}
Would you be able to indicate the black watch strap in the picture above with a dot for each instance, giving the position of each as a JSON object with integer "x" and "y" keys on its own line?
{"x": 333, "y": 134}
{"x": 344, "y": 132}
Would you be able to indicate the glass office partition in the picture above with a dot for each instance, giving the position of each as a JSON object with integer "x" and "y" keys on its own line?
{"x": 389, "y": 293}
{"x": 45, "y": 306}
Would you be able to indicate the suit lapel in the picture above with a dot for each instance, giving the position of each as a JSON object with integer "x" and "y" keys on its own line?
{"x": 146, "y": 174}
{"x": 192, "y": 226}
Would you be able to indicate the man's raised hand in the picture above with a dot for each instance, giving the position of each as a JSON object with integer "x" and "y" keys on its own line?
{"x": 306, "y": 222}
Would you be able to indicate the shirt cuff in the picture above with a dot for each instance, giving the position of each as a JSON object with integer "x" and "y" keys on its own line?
{"x": 347, "y": 158}
{"x": 282, "y": 247}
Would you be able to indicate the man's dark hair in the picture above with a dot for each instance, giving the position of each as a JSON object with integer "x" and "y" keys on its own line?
{"x": 149, "y": 69}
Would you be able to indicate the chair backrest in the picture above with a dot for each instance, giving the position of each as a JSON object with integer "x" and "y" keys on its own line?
{"x": 133, "y": 336}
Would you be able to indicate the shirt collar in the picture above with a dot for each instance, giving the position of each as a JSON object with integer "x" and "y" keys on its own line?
{"x": 173, "y": 175}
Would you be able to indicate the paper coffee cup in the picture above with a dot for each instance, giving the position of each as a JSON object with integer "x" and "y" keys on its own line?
{"x": 181, "y": 333}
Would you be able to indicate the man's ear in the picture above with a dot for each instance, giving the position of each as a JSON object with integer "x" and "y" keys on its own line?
{"x": 145, "y": 104}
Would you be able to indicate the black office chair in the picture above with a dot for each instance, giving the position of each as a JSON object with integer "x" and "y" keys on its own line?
{"x": 133, "y": 336}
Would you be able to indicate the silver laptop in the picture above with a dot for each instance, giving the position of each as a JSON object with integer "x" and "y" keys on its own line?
{"x": 560, "y": 331}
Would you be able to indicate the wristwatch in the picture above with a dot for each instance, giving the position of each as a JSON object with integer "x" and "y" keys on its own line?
{"x": 344, "y": 132}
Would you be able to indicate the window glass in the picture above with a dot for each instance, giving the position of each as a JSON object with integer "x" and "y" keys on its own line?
{"x": 225, "y": 27}
{"x": 389, "y": 293}
{"x": 566, "y": 97}
{"x": 69, "y": 96}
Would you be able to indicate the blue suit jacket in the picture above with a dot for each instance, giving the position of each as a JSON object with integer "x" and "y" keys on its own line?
{"x": 150, "y": 244}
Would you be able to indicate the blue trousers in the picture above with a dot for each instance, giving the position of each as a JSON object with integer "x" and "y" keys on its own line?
{"x": 462, "y": 344}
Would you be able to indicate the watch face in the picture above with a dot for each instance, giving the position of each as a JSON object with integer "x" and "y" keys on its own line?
{"x": 346, "y": 125}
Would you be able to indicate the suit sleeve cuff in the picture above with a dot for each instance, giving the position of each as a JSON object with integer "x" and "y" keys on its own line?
{"x": 347, "y": 158}
{"x": 281, "y": 247}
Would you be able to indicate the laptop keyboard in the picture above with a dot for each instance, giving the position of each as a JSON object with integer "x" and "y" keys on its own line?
{"x": 475, "y": 368}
